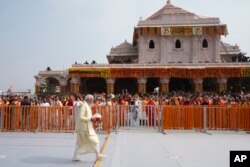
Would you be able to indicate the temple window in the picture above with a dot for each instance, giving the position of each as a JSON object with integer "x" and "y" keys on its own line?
{"x": 178, "y": 44}
{"x": 151, "y": 44}
{"x": 204, "y": 43}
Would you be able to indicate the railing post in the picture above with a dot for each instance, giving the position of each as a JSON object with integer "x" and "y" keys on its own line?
{"x": 161, "y": 119}
{"x": 228, "y": 117}
{"x": 239, "y": 118}
{"x": 205, "y": 118}
{"x": 154, "y": 111}
{"x": 1, "y": 118}
{"x": 39, "y": 119}
{"x": 213, "y": 118}
{"x": 117, "y": 117}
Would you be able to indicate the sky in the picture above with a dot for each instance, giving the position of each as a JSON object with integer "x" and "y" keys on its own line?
{"x": 35, "y": 34}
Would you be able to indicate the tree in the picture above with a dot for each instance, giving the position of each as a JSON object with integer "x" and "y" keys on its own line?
{"x": 47, "y": 88}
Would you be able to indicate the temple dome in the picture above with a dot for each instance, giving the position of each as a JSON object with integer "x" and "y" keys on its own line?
{"x": 123, "y": 53}
{"x": 124, "y": 49}
{"x": 176, "y": 16}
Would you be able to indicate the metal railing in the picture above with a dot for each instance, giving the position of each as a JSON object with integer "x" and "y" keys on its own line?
{"x": 34, "y": 118}
{"x": 116, "y": 117}
{"x": 236, "y": 118}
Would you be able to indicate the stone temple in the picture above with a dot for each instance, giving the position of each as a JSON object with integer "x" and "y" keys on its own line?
{"x": 173, "y": 49}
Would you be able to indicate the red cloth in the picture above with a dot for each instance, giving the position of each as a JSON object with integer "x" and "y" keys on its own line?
{"x": 70, "y": 103}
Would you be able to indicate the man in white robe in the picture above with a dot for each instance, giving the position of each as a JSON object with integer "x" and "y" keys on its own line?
{"x": 87, "y": 140}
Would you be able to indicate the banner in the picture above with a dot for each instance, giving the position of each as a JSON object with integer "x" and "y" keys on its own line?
{"x": 140, "y": 72}
{"x": 89, "y": 72}
{"x": 181, "y": 31}
{"x": 209, "y": 72}
{"x": 245, "y": 72}
{"x": 222, "y": 72}
{"x": 195, "y": 73}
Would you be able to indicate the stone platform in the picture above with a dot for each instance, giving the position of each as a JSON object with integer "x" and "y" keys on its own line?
{"x": 131, "y": 148}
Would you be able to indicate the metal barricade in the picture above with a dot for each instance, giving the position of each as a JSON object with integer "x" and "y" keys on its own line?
{"x": 115, "y": 117}
{"x": 203, "y": 118}
{"x": 136, "y": 116}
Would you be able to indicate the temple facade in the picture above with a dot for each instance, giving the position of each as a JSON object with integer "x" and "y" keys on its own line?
{"x": 173, "y": 49}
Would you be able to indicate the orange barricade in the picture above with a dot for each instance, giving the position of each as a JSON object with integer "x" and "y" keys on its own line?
{"x": 233, "y": 118}
{"x": 166, "y": 118}
{"x": 210, "y": 118}
{"x": 246, "y": 122}
{"x": 198, "y": 117}
{"x": 216, "y": 117}
{"x": 103, "y": 110}
{"x": 188, "y": 118}
{"x": 62, "y": 119}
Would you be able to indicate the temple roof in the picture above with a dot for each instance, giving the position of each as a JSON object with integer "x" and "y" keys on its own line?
{"x": 124, "y": 49}
{"x": 170, "y": 15}
{"x": 228, "y": 49}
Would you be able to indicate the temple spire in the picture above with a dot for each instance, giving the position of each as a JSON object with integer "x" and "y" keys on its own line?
{"x": 168, "y": 2}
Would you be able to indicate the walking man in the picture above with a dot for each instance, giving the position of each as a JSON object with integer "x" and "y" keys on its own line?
{"x": 87, "y": 140}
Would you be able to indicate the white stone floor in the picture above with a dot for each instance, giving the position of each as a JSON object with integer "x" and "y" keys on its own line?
{"x": 175, "y": 149}
{"x": 41, "y": 150}
{"x": 128, "y": 148}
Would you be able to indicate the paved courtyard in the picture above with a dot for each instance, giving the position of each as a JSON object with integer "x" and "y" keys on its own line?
{"x": 175, "y": 149}
{"x": 127, "y": 148}
{"x": 41, "y": 150}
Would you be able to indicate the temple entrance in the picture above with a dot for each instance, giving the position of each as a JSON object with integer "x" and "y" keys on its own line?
{"x": 125, "y": 85}
{"x": 209, "y": 84}
{"x": 93, "y": 85}
{"x": 238, "y": 84}
{"x": 50, "y": 86}
{"x": 245, "y": 84}
{"x": 152, "y": 83}
{"x": 234, "y": 84}
{"x": 180, "y": 84}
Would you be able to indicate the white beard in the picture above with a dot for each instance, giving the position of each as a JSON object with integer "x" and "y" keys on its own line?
{"x": 90, "y": 104}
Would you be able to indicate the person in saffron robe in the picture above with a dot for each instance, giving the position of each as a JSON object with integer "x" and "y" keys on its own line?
{"x": 87, "y": 140}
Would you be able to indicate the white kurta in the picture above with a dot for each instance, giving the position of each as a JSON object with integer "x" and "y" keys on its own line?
{"x": 87, "y": 140}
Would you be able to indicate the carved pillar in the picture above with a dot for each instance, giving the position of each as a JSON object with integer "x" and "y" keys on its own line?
{"x": 63, "y": 84}
{"x": 74, "y": 85}
{"x": 164, "y": 85}
{"x": 163, "y": 53}
{"x": 110, "y": 85}
{"x": 198, "y": 85}
{"x": 142, "y": 50}
{"x": 141, "y": 82}
{"x": 38, "y": 84}
{"x": 217, "y": 57}
{"x": 221, "y": 84}
{"x": 37, "y": 89}
{"x": 195, "y": 48}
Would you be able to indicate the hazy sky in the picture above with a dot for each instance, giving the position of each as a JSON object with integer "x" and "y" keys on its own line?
{"x": 35, "y": 34}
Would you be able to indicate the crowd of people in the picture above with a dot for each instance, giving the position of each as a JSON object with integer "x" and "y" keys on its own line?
{"x": 132, "y": 110}
{"x": 172, "y": 98}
